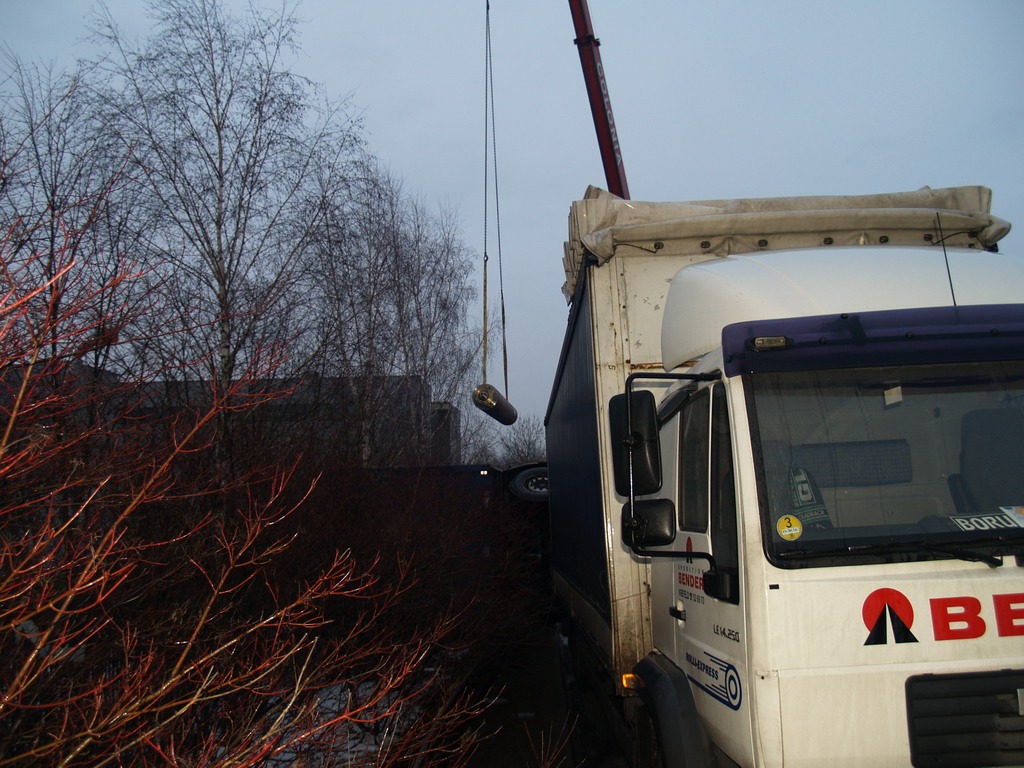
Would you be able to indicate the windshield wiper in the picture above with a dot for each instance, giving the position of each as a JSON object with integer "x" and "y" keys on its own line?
{"x": 958, "y": 552}
{"x": 902, "y": 546}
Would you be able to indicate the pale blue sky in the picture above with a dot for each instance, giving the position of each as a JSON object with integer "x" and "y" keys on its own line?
{"x": 712, "y": 99}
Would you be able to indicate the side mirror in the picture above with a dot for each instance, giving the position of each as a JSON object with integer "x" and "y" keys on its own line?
{"x": 639, "y": 439}
{"x": 648, "y": 523}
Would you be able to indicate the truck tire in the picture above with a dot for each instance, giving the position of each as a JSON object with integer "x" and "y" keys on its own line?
{"x": 681, "y": 739}
{"x": 647, "y": 752}
{"x": 530, "y": 483}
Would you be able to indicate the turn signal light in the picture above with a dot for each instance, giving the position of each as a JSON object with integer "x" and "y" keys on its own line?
{"x": 632, "y": 682}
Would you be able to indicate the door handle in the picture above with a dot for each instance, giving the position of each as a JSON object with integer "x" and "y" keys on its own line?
{"x": 678, "y": 614}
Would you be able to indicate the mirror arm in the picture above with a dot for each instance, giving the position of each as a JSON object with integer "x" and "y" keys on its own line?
{"x": 677, "y": 553}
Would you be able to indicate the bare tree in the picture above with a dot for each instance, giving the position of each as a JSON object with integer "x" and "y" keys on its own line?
{"x": 193, "y": 216}
{"x": 65, "y": 198}
{"x": 140, "y": 626}
{"x": 229, "y": 145}
{"x": 55, "y": 169}
{"x": 522, "y": 442}
{"x": 52, "y": 171}
{"x": 393, "y": 282}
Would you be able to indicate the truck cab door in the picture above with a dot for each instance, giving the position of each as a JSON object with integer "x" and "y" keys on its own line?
{"x": 707, "y": 604}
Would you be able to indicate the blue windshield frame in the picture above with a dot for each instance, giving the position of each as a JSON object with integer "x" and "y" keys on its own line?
{"x": 928, "y": 335}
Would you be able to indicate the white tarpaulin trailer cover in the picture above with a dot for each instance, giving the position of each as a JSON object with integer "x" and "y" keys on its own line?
{"x": 601, "y": 224}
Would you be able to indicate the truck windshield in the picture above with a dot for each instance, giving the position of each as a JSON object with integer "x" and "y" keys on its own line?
{"x": 888, "y": 464}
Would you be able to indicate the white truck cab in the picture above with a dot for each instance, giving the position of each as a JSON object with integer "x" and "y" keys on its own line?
{"x": 786, "y": 462}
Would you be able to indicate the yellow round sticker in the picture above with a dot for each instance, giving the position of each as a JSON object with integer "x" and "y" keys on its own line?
{"x": 790, "y": 527}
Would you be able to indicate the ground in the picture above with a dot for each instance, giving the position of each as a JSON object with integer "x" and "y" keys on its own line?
{"x": 536, "y": 720}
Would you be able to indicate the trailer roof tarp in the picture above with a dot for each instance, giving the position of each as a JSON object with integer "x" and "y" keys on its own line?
{"x": 602, "y": 224}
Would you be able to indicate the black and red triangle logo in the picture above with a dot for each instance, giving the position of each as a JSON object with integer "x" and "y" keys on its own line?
{"x": 886, "y": 609}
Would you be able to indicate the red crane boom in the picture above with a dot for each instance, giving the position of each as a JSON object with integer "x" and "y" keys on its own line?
{"x": 600, "y": 102}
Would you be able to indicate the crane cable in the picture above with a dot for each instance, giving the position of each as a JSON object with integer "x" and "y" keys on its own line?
{"x": 486, "y": 397}
{"x": 491, "y": 156}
